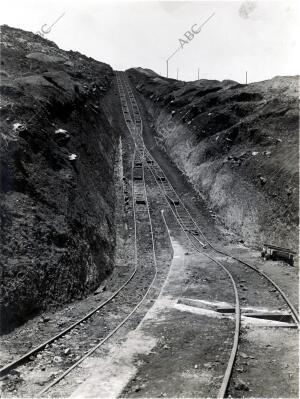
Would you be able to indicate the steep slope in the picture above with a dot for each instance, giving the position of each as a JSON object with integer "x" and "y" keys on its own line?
{"x": 237, "y": 144}
{"x": 57, "y": 161}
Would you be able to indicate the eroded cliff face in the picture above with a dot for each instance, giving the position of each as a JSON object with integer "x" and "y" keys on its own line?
{"x": 237, "y": 144}
{"x": 57, "y": 159}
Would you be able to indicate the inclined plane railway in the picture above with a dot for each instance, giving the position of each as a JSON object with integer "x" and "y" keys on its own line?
{"x": 191, "y": 229}
{"x": 143, "y": 168}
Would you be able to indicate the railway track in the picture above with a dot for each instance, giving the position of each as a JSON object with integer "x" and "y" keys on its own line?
{"x": 138, "y": 284}
{"x": 144, "y": 167}
{"x": 191, "y": 226}
{"x": 195, "y": 235}
{"x": 145, "y": 257}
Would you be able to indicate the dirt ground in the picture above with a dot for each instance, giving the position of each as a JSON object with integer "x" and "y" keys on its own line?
{"x": 29, "y": 380}
{"x": 57, "y": 151}
{"x": 176, "y": 344}
{"x": 238, "y": 146}
{"x": 177, "y": 349}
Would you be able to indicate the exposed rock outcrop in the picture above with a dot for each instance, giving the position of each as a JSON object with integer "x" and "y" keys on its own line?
{"x": 57, "y": 191}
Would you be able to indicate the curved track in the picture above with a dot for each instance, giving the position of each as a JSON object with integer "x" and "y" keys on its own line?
{"x": 138, "y": 192}
{"x": 192, "y": 231}
{"x": 142, "y": 163}
{"x": 189, "y": 223}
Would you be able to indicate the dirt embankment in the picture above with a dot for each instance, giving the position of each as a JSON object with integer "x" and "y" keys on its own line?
{"x": 237, "y": 144}
{"x": 57, "y": 163}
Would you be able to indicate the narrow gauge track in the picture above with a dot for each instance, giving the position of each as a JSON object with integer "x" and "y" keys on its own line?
{"x": 190, "y": 225}
{"x": 145, "y": 268}
{"x": 193, "y": 231}
{"x": 188, "y": 221}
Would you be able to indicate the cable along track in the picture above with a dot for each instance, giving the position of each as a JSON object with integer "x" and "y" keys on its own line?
{"x": 140, "y": 208}
{"x": 190, "y": 224}
{"x": 142, "y": 228}
{"x": 192, "y": 230}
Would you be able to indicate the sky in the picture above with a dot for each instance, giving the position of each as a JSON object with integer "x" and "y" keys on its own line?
{"x": 260, "y": 37}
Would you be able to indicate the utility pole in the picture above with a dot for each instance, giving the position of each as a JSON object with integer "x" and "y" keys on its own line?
{"x": 177, "y": 74}
{"x": 246, "y": 77}
{"x": 198, "y": 73}
{"x": 189, "y": 39}
{"x": 167, "y": 60}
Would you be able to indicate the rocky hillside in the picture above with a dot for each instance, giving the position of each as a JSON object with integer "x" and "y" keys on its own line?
{"x": 237, "y": 144}
{"x": 57, "y": 161}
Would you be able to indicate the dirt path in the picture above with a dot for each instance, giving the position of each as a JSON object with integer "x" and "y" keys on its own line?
{"x": 165, "y": 343}
{"x": 180, "y": 349}
{"x": 174, "y": 346}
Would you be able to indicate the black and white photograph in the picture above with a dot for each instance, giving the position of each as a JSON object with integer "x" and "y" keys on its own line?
{"x": 149, "y": 199}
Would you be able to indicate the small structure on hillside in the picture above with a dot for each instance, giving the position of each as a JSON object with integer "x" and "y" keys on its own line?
{"x": 277, "y": 253}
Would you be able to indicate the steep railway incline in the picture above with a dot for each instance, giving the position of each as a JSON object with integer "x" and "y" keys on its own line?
{"x": 231, "y": 266}
{"x": 202, "y": 322}
{"x": 206, "y": 327}
{"x": 117, "y": 309}
{"x": 238, "y": 146}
